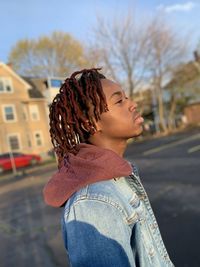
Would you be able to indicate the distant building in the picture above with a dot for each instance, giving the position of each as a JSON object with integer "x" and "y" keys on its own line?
{"x": 184, "y": 87}
{"x": 23, "y": 119}
{"x": 192, "y": 113}
{"x": 48, "y": 86}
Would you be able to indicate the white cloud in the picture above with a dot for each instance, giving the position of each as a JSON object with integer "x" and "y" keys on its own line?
{"x": 177, "y": 7}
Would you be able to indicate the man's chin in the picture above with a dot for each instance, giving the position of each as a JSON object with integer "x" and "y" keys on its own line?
{"x": 138, "y": 132}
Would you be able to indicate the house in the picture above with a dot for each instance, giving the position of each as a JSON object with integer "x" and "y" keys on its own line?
{"x": 48, "y": 86}
{"x": 23, "y": 116}
{"x": 192, "y": 112}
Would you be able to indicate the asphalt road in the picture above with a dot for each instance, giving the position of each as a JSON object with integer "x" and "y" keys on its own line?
{"x": 170, "y": 170}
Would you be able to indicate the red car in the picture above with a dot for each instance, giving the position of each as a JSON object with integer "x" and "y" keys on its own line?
{"x": 20, "y": 160}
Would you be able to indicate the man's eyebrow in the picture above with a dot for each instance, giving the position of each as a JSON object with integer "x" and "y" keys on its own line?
{"x": 116, "y": 93}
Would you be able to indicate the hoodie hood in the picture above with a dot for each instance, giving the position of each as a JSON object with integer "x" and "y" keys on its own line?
{"x": 91, "y": 164}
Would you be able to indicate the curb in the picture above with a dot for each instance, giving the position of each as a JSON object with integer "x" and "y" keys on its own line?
{"x": 29, "y": 170}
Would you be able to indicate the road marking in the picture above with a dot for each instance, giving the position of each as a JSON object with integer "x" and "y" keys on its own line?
{"x": 183, "y": 141}
{"x": 194, "y": 149}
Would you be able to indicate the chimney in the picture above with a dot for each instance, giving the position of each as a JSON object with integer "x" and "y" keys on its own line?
{"x": 10, "y": 65}
{"x": 196, "y": 56}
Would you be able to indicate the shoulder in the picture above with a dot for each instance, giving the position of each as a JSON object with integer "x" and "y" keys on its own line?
{"x": 103, "y": 191}
{"x": 106, "y": 197}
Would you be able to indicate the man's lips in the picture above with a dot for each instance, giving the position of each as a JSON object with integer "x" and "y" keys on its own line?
{"x": 138, "y": 118}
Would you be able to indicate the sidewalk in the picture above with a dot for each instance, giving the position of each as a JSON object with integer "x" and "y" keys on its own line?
{"x": 30, "y": 230}
{"x": 28, "y": 170}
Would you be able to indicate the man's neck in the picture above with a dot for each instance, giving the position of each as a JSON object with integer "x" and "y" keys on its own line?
{"x": 117, "y": 146}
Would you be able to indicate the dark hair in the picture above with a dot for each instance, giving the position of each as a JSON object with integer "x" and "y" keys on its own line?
{"x": 71, "y": 108}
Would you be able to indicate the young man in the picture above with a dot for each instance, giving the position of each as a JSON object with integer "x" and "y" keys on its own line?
{"x": 107, "y": 218}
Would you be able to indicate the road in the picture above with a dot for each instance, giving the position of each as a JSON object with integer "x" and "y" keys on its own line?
{"x": 170, "y": 171}
{"x": 169, "y": 168}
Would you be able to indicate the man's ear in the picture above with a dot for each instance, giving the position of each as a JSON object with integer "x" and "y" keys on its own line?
{"x": 98, "y": 126}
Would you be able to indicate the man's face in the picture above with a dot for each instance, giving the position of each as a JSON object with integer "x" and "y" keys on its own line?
{"x": 122, "y": 121}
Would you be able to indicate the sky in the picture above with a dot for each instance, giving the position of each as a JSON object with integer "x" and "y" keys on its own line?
{"x": 30, "y": 19}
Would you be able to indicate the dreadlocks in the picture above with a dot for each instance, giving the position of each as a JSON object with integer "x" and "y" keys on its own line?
{"x": 71, "y": 108}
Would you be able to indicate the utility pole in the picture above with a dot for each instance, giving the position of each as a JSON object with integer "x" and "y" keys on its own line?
{"x": 155, "y": 109}
{"x": 14, "y": 170}
{"x": 12, "y": 160}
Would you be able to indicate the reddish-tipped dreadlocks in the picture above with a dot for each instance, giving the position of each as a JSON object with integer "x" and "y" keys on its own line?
{"x": 70, "y": 108}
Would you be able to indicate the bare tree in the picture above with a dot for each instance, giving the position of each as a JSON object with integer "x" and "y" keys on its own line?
{"x": 134, "y": 54}
{"x": 121, "y": 47}
{"x": 167, "y": 51}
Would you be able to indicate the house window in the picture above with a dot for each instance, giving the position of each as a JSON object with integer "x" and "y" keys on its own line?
{"x": 34, "y": 111}
{"x": 56, "y": 83}
{"x": 6, "y": 85}
{"x": 9, "y": 113}
{"x": 13, "y": 142}
{"x": 38, "y": 139}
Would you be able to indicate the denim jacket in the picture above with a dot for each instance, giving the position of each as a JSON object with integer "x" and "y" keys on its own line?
{"x": 111, "y": 223}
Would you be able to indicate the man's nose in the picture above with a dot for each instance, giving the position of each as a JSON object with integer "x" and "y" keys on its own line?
{"x": 133, "y": 106}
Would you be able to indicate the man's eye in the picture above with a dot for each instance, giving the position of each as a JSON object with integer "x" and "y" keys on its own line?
{"x": 119, "y": 101}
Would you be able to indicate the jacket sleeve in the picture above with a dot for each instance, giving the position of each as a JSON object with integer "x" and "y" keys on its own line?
{"x": 96, "y": 234}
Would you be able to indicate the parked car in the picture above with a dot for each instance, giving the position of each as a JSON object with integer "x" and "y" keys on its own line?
{"x": 20, "y": 160}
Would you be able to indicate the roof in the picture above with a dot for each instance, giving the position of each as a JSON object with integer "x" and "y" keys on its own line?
{"x": 194, "y": 101}
{"x": 184, "y": 74}
{"x": 34, "y": 92}
{"x": 12, "y": 72}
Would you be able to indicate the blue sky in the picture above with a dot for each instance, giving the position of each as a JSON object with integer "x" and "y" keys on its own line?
{"x": 32, "y": 18}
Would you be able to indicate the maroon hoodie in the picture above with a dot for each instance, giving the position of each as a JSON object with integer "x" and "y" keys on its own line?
{"x": 91, "y": 164}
